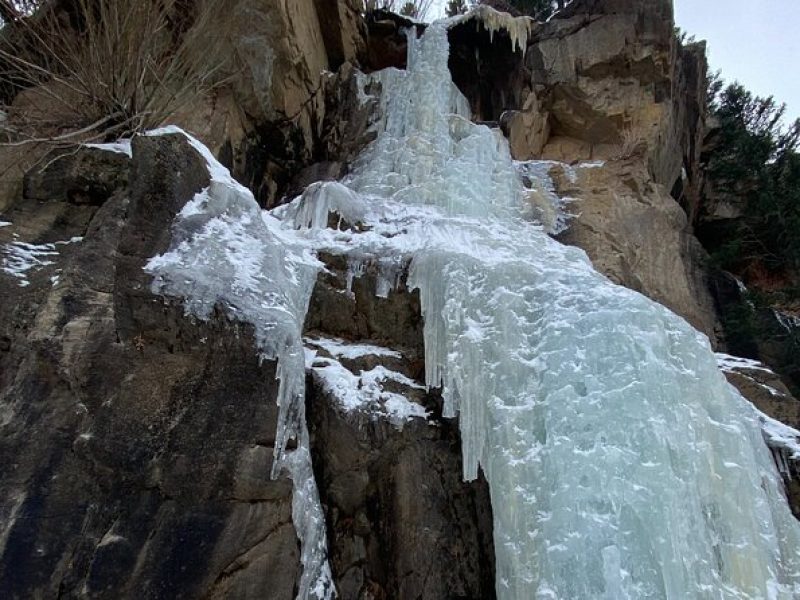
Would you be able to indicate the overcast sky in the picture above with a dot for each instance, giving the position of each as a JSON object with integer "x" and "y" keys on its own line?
{"x": 756, "y": 42}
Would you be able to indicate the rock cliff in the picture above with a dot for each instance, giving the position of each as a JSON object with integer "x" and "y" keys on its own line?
{"x": 137, "y": 441}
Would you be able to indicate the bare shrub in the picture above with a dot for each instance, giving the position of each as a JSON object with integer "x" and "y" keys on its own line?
{"x": 416, "y": 9}
{"x": 109, "y": 68}
{"x": 633, "y": 140}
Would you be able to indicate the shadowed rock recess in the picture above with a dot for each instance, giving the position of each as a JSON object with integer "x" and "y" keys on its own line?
{"x": 136, "y": 441}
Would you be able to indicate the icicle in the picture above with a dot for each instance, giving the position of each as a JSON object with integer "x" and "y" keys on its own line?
{"x": 225, "y": 252}
{"x": 518, "y": 28}
{"x": 356, "y": 267}
{"x": 390, "y": 271}
{"x": 321, "y": 200}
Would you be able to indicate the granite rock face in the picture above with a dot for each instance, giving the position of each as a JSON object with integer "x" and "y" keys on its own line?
{"x": 136, "y": 442}
{"x": 635, "y": 233}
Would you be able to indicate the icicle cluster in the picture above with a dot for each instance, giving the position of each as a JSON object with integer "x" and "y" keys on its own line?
{"x": 518, "y": 28}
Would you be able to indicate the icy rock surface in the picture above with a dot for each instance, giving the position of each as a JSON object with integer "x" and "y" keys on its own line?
{"x": 621, "y": 463}
{"x": 363, "y": 392}
{"x": 226, "y": 252}
{"x": 784, "y": 441}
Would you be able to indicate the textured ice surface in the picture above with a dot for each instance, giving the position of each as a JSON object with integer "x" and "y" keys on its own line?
{"x": 621, "y": 463}
{"x": 226, "y": 252}
{"x": 541, "y": 198}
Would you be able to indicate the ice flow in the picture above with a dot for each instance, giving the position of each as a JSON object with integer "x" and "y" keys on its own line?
{"x": 621, "y": 464}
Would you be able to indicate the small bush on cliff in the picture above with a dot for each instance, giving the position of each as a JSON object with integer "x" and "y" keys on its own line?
{"x": 106, "y": 68}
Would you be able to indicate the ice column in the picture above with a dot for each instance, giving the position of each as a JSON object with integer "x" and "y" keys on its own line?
{"x": 621, "y": 464}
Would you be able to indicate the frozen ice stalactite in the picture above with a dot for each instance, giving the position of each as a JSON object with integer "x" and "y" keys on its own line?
{"x": 540, "y": 194}
{"x": 225, "y": 252}
{"x": 518, "y": 28}
{"x": 321, "y": 200}
{"x": 621, "y": 464}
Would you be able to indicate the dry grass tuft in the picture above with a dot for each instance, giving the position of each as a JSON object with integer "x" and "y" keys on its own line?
{"x": 633, "y": 141}
{"x": 107, "y": 68}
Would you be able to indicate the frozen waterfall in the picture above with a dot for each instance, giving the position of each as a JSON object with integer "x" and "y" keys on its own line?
{"x": 620, "y": 462}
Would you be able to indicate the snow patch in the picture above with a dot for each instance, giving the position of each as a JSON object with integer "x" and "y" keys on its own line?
{"x": 730, "y": 364}
{"x": 365, "y": 392}
{"x": 22, "y": 259}
{"x": 779, "y": 435}
{"x": 350, "y": 350}
{"x": 118, "y": 147}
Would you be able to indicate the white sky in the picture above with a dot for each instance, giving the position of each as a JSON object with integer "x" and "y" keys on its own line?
{"x": 756, "y": 42}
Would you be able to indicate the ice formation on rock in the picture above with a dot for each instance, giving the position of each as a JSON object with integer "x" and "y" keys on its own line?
{"x": 365, "y": 392}
{"x": 782, "y": 440}
{"x": 21, "y": 258}
{"x": 621, "y": 464}
{"x": 518, "y": 28}
{"x": 226, "y": 252}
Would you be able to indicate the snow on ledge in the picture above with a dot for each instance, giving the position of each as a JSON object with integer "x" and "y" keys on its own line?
{"x": 729, "y": 364}
{"x": 341, "y": 349}
{"x": 364, "y": 392}
{"x": 779, "y": 435}
{"x": 783, "y": 440}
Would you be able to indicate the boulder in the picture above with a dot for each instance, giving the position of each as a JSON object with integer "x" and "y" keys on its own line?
{"x": 83, "y": 175}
